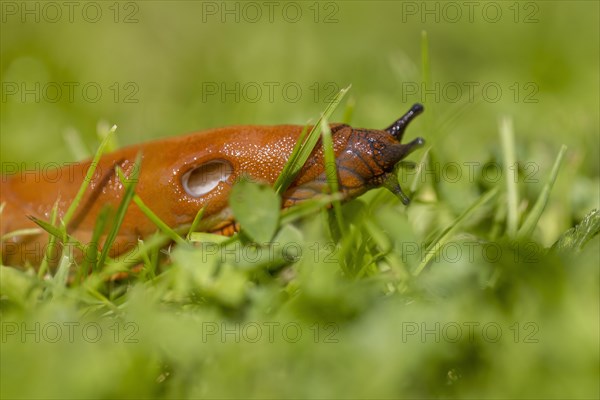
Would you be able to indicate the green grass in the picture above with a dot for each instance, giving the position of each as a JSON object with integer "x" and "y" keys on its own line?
{"x": 480, "y": 288}
{"x": 265, "y": 307}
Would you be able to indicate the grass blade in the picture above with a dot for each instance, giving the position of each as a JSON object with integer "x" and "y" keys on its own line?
{"x": 91, "y": 254}
{"x": 200, "y": 237}
{"x": 195, "y": 223}
{"x": 306, "y": 208}
{"x": 62, "y": 273}
{"x": 507, "y": 137}
{"x": 443, "y": 237}
{"x": 331, "y": 171}
{"x": 130, "y": 185}
{"x": 88, "y": 178}
{"x": 538, "y": 208}
{"x": 575, "y": 238}
{"x": 151, "y": 215}
{"x": 57, "y": 232}
{"x": 126, "y": 260}
{"x": 51, "y": 243}
{"x": 20, "y": 232}
{"x": 287, "y": 175}
{"x": 301, "y": 152}
{"x": 157, "y": 221}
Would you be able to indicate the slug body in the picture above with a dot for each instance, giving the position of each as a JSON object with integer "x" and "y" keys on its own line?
{"x": 181, "y": 175}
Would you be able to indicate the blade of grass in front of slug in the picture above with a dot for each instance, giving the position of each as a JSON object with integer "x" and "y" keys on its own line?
{"x": 301, "y": 153}
{"x": 206, "y": 237}
{"x": 88, "y": 178}
{"x": 507, "y": 137}
{"x": 195, "y": 223}
{"x": 380, "y": 240}
{"x": 157, "y": 221}
{"x": 57, "y": 285}
{"x": 92, "y": 251}
{"x": 130, "y": 186}
{"x": 48, "y": 227}
{"x": 351, "y": 252}
{"x": 360, "y": 263}
{"x": 153, "y": 254}
{"x": 57, "y": 232}
{"x": 102, "y": 131}
{"x": 306, "y": 207}
{"x": 125, "y": 261}
{"x": 441, "y": 239}
{"x": 331, "y": 171}
{"x": 62, "y": 272}
{"x": 285, "y": 178}
{"x": 105, "y": 301}
{"x": 149, "y": 267}
{"x": 151, "y": 215}
{"x": 536, "y": 212}
{"x": 51, "y": 248}
{"x": 20, "y": 232}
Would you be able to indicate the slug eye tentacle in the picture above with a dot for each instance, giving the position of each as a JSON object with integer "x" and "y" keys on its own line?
{"x": 413, "y": 145}
{"x": 204, "y": 178}
{"x": 397, "y": 128}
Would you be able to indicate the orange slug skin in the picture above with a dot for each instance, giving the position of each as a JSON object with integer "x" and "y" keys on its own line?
{"x": 364, "y": 158}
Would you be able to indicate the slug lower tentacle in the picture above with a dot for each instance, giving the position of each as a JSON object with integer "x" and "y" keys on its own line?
{"x": 181, "y": 175}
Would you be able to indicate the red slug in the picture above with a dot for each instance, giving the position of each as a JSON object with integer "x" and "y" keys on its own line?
{"x": 181, "y": 175}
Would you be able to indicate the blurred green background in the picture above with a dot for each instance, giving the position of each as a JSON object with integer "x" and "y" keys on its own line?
{"x": 165, "y": 68}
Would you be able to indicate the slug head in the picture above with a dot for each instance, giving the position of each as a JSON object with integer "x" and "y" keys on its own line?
{"x": 393, "y": 152}
{"x": 365, "y": 158}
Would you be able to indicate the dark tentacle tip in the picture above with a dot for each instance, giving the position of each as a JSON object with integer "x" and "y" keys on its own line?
{"x": 405, "y": 200}
{"x": 391, "y": 183}
{"x": 398, "y": 127}
{"x": 402, "y": 196}
{"x": 418, "y": 142}
{"x": 413, "y": 145}
{"x": 417, "y": 108}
